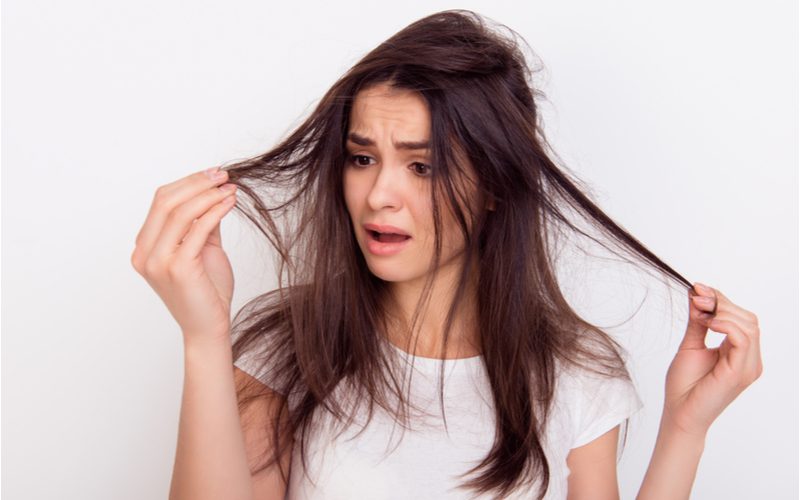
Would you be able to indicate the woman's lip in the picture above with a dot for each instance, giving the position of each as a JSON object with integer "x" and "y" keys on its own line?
{"x": 384, "y": 249}
{"x": 385, "y": 228}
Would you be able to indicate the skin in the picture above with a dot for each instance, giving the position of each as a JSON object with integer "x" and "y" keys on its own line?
{"x": 179, "y": 252}
{"x": 701, "y": 382}
{"x": 384, "y": 184}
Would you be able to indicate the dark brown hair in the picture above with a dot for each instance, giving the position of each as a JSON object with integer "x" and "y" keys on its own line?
{"x": 323, "y": 324}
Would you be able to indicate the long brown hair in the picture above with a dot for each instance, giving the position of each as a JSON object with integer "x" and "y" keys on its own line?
{"x": 323, "y": 324}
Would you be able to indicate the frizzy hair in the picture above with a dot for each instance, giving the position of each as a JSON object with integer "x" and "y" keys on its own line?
{"x": 321, "y": 328}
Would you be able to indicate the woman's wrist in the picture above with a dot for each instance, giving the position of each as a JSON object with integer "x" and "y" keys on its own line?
{"x": 673, "y": 427}
{"x": 692, "y": 443}
{"x": 205, "y": 341}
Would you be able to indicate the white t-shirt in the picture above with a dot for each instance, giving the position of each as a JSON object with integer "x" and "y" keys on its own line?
{"x": 426, "y": 463}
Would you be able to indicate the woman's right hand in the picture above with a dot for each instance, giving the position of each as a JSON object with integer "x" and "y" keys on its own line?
{"x": 179, "y": 252}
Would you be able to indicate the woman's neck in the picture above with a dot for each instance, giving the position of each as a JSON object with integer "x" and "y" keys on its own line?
{"x": 463, "y": 339}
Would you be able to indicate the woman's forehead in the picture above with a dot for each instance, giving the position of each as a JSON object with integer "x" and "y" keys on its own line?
{"x": 380, "y": 109}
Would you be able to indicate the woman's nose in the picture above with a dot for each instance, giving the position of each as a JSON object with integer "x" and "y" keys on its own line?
{"x": 386, "y": 187}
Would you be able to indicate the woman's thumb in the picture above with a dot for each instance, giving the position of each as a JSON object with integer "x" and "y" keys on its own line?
{"x": 697, "y": 327}
{"x": 214, "y": 237}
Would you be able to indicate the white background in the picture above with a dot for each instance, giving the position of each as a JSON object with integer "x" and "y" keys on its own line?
{"x": 681, "y": 115}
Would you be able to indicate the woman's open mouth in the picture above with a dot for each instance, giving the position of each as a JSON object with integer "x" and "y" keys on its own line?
{"x": 384, "y": 244}
{"x": 388, "y": 237}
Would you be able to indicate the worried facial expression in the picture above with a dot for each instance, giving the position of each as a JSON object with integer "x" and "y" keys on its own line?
{"x": 387, "y": 183}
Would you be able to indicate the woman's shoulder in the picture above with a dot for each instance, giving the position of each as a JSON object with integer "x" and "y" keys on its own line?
{"x": 593, "y": 400}
{"x": 592, "y": 379}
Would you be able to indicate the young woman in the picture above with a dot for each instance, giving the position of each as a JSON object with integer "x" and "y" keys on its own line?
{"x": 419, "y": 345}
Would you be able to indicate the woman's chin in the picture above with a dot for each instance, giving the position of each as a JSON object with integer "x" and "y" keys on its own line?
{"x": 390, "y": 271}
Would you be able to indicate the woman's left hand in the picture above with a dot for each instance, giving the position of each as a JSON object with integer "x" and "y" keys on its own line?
{"x": 702, "y": 381}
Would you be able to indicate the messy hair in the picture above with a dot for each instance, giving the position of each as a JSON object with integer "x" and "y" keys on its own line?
{"x": 323, "y": 326}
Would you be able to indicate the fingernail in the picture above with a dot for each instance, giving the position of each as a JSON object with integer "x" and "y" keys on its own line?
{"x": 703, "y": 288}
{"x": 228, "y": 187}
{"x": 214, "y": 173}
{"x": 706, "y": 301}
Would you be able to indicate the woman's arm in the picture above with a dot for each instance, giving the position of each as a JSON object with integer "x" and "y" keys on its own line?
{"x": 179, "y": 252}
{"x": 701, "y": 383}
{"x": 673, "y": 465}
{"x": 211, "y": 458}
{"x": 593, "y": 469}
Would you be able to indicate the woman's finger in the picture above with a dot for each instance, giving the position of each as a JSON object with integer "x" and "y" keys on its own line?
{"x": 705, "y": 295}
{"x": 170, "y": 196}
{"x": 215, "y": 236}
{"x": 739, "y": 354}
{"x": 705, "y": 306}
{"x": 714, "y": 302}
{"x": 746, "y": 316}
{"x": 697, "y": 327}
{"x": 202, "y": 228}
{"x": 180, "y": 220}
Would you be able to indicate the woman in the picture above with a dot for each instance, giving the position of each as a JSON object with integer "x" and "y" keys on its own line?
{"x": 423, "y": 220}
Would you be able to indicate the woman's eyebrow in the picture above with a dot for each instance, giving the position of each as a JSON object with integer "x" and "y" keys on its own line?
{"x": 366, "y": 141}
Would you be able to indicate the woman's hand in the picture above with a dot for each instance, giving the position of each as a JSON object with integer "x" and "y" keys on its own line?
{"x": 179, "y": 253}
{"x": 702, "y": 381}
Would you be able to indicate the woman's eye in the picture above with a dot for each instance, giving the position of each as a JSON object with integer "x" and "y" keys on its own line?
{"x": 421, "y": 169}
{"x": 360, "y": 160}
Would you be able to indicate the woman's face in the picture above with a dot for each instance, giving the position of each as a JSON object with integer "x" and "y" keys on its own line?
{"x": 387, "y": 182}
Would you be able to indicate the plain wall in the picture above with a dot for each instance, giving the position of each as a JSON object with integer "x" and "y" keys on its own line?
{"x": 682, "y": 116}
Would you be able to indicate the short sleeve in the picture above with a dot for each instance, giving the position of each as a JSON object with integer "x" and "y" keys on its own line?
{"x": 252, "y": 364}
{"x": 602, "y": 404}
{"x": 261, "y": 358}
